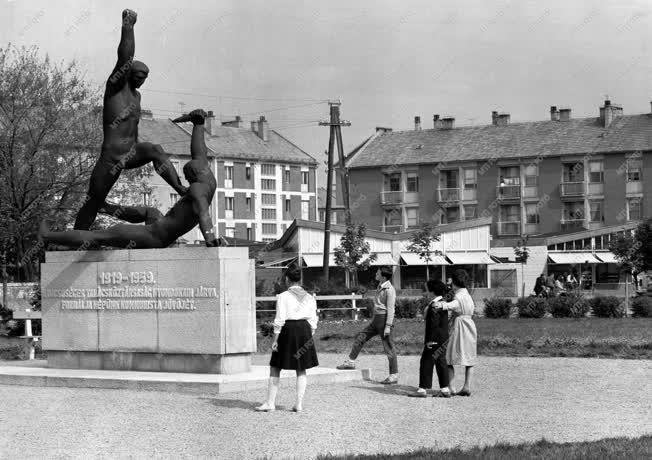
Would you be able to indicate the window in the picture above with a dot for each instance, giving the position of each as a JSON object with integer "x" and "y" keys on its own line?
{"x": 248, "y": 203}
{"x": 596, "y": 171}
{"x": 470, "y": 211}
{"x": 228, "y": 173}
{"x": 452, "y": 215}
{"x": 268, "y": 184}
{"x": 147, "y": 198}
{"x": 573, "y": 172}
{"x": 596, "y": 211}
{"x": 304, "y": 177}
{"x": 305, "y": 210}
{"x": 393, "y": 182}
{"x": 269, "y": 199}
{"x": 250, "y": 234}
{"x": 532, "y": 213}
{"x": 393, "y": 219}
{"x": 269, "y": 229}
{"x": 268, "y": 170}
{"x": 573, "y": 210}
{"x": 228, "y": 203}
{"x": 322, "y": 215}
{"x": 287, "y": 176}
{"x": 510, "y": 175}
{"x": 412, "y": 217}
{"x": 531, "y": 175}
{"x": 449, "y": 179}
{"x": 248, "y": 172}
{"x": 634, "y": 167}
{"x": 173, "y": 199}
{"x": 269, "y": 214}
{"x": 230, "y": 232}
{"x": 413, "y": 182}
{"x": 470, "y": 179}
{"x": 510, "y": 213}
{"x": 288, "y": 205}
{"x": 634, "y": 209}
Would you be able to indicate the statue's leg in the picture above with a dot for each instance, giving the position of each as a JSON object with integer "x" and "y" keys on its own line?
{"x": 119, "y": 236}
{"x": 104, "y": 176}
{"x": 147, "y": 152}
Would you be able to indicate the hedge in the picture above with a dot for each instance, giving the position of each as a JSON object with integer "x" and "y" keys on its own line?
{"x": 498, "y": 307}
{"x": 569, "y": 306}
{"x": 607, "y": 307}
{"x": 532, "y": 307}
{"x": 642, "y": 307}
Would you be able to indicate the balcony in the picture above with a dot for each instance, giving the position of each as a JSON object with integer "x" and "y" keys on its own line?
{"x": 572, "y": 189}
{"x": 508, "y": 228}
{"x": 573, "y": 224}
{"x": 508, "y": 192}
{"x": 448, "y": 196}
{"x": 398, "y": 197}
{"x": 633, "y": 187}
{"x": 531, "y": 229}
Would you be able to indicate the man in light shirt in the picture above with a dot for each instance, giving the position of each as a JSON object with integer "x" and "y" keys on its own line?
{"x": 381, "y": 324}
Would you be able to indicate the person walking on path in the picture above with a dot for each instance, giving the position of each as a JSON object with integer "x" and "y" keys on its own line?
{"x": 434, "y": 349}
{"x": 293, "y": 347}
{"x": 381, "y": 324}
{"x": 462, "y": 343}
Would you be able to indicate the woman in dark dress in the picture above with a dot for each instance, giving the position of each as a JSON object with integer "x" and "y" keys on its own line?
{"x": 293, "y": 346}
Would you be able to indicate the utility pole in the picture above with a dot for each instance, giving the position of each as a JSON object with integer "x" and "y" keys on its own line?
{"x": 335, "y": 136}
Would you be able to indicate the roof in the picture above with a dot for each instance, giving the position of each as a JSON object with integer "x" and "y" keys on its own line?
{"x": 376, "y": 233}
{"x": 225, "y": 142}
{"x": 532, "y": 139}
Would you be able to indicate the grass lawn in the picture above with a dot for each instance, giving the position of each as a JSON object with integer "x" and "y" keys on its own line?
{"x": 587, "y": 337}
{"x": 624, "y": 448}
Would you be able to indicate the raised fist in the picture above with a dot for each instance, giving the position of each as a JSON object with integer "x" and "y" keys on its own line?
{"x": 129, "y": 17}
{"x": 197, "y": 116}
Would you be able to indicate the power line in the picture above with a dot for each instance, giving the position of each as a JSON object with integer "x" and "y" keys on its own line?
{"x": 218, "y": 96}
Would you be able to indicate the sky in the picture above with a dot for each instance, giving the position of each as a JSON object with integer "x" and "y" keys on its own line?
{"x": 387, "y": 61}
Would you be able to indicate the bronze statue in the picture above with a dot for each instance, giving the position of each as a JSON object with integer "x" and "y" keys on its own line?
{"x": 120, "y": 117}
{"x": 191, "y": 209}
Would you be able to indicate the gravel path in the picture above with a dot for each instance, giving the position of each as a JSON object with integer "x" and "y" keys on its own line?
{"x": 514, "y": 400}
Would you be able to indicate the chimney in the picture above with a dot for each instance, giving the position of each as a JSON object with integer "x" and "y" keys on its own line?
{"x": 564, "y": 114}
{"x": 237, "y": 123}
{"x": 146, "y": 114}
{"x": 208, "y": 122}
{"x": 383, "y": 130}
{"x": 417, "y": 123}
{"x": 502, "y": 119}
{"x": 262, "y": 128}
{"x": 650, "y": 107}
{"x": 608, "y": 112}
{"x": 447, "y": 123}
{"x": 494, "y": 118}
{"x": 554, "y": 113}
{"x": 436, "y": 122}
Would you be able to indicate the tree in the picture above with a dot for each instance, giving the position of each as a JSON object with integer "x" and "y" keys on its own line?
{"x": 633, "y": 251}
{"x": 522, "y": 253}
{"x": 50, "y": 135}
{"x": 353, "y": 252}
{"x": 421, "y": 243}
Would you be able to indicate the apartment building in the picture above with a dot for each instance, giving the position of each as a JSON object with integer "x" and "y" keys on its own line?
{"x": 264, "y": 181}
{"x": 540, "y": 178}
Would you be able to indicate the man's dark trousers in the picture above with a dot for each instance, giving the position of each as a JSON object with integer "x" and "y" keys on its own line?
{"x": 376, "y": 327}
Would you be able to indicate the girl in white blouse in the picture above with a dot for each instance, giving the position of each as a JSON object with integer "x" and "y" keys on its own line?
{"x": 293, "y": 347}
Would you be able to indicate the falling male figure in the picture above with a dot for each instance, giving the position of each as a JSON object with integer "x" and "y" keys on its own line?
{"x": 120, "y": 117}
{"x": 190, "y": 210}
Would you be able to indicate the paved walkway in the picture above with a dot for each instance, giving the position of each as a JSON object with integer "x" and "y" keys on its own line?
{"x": 514, "y": 400}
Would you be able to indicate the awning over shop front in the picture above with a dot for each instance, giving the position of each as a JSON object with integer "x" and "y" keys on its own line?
{"x": 411, "y": 258}
{"x": 317, "y": 260}
{"x": 607, "y": 257}
{"x": 470, "y": 258}
{"x": 383, "y": 258}
{"x": 573, "y": 258}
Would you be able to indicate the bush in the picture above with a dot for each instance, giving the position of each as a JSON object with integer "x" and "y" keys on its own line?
{"x": 532, "y": 307}
{"x": 497, "y": 307}
{"x": 267, "y": 329}
{"x": 569, "y": 306}
{"x": 607, "y": 307}
{"x": 408, "y": 308}
{"x": 642, "y": 307}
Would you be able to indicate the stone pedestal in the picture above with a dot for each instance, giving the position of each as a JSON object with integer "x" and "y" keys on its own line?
{"x": 173, "y": 310}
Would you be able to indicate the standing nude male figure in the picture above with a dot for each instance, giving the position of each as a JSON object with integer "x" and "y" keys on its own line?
{"x": 120, "y": 117}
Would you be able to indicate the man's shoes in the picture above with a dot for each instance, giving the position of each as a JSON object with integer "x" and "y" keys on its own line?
{"x": 346, "y": 365}
{"x": 418, "y": 394}
{"x": 442, "y": 394}
{"x": 390, "y": 381}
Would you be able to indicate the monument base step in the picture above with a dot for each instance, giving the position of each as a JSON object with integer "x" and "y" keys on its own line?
{"x": 37, "y": 373}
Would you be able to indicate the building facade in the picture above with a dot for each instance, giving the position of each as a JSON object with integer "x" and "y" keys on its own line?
{"x": 264, "y": 181}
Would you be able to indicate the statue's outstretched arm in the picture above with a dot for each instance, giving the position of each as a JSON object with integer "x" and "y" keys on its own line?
{"x": 126, "y": 50}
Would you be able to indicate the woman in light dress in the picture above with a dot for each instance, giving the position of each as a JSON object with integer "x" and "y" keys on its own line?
{"x": 463, "y": 337}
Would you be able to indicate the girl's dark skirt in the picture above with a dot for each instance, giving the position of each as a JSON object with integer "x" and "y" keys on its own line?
{"x": 296, "y": 348}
